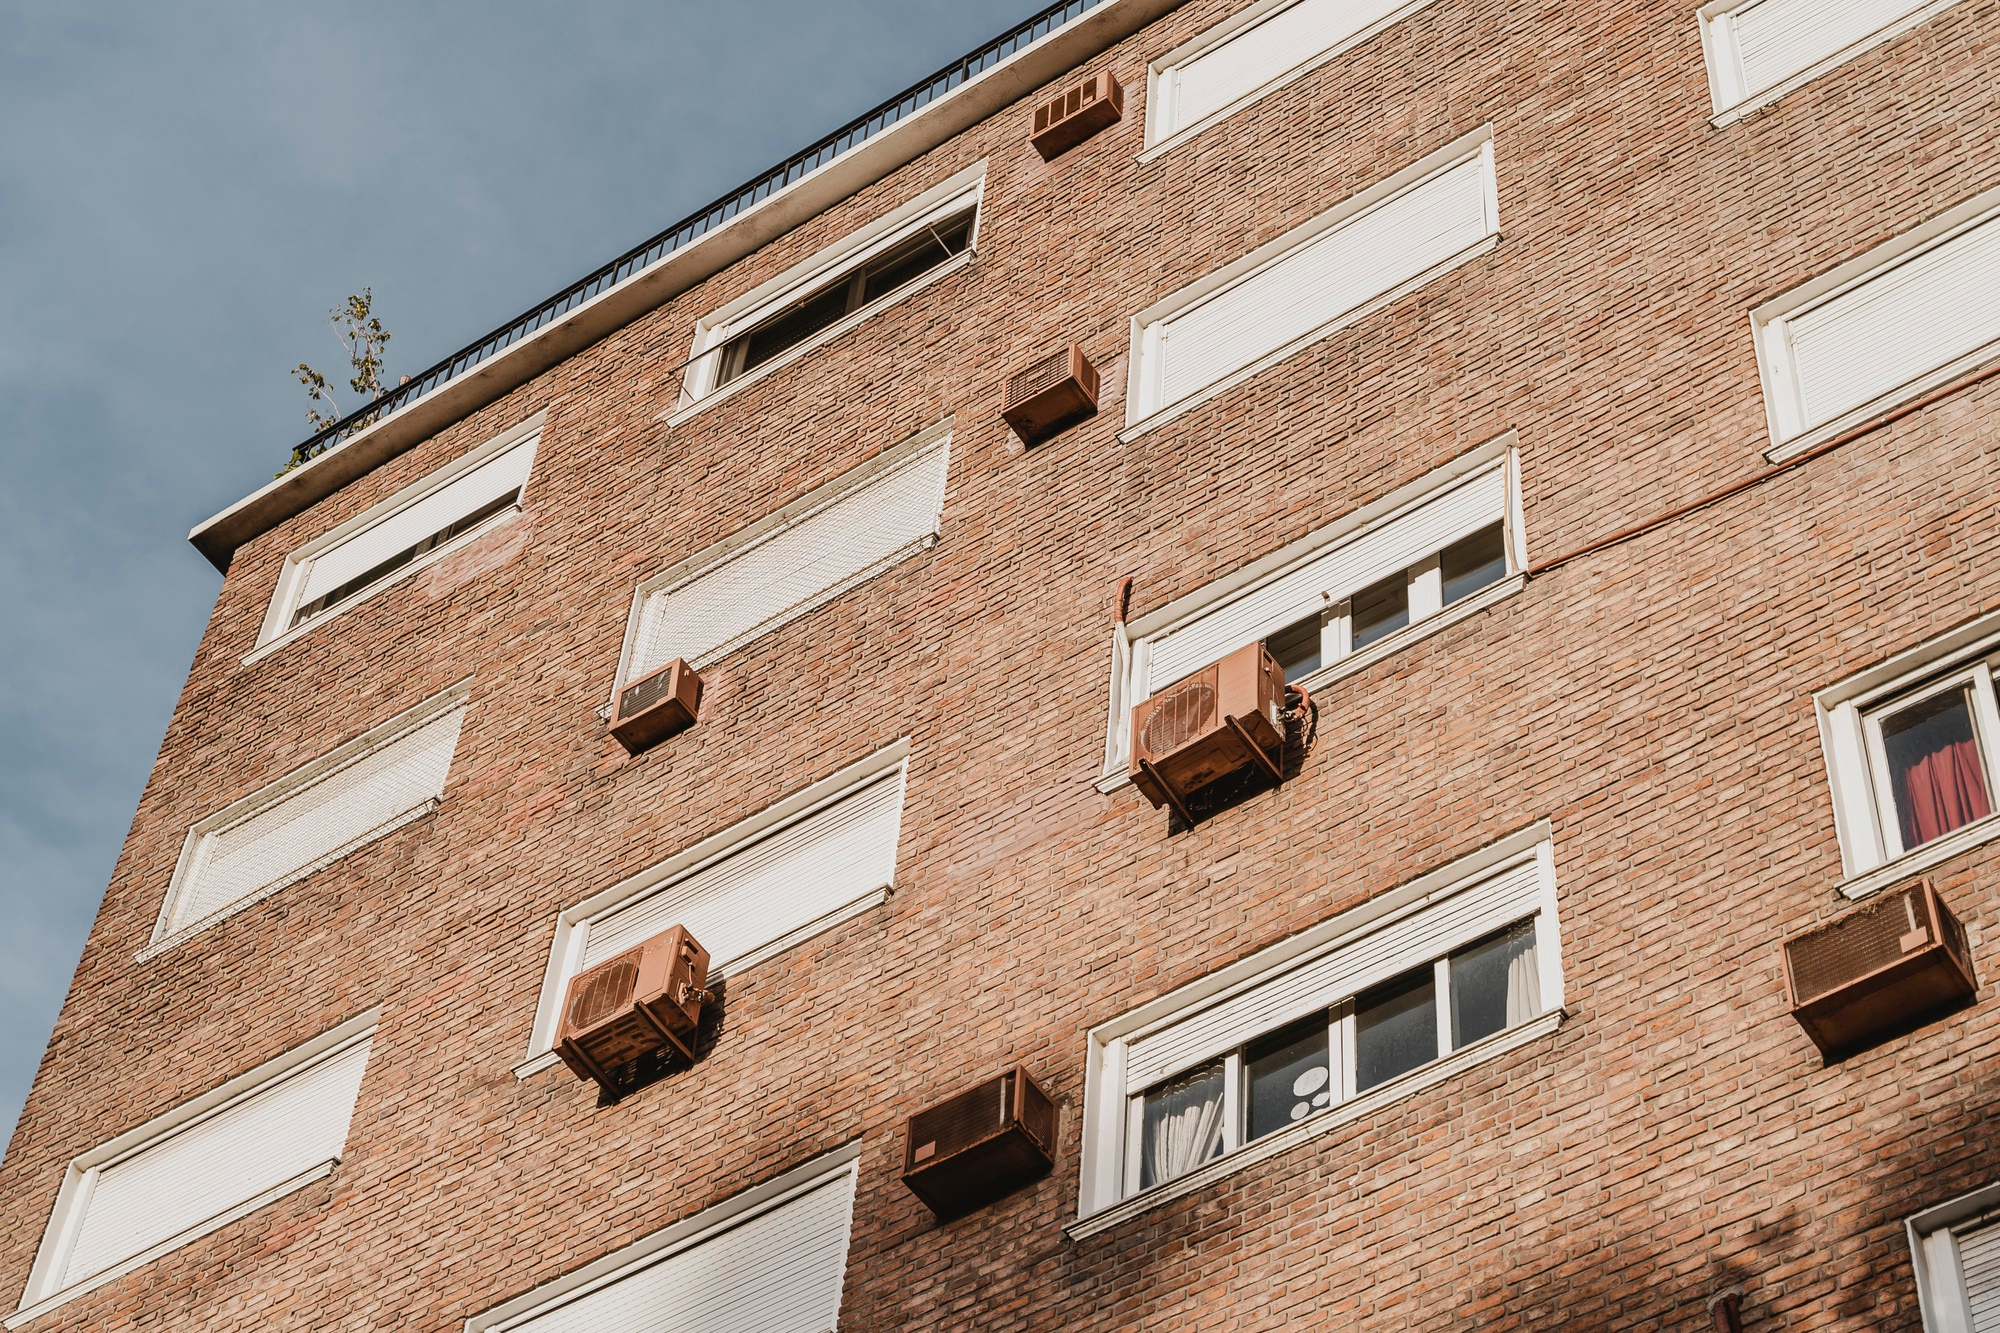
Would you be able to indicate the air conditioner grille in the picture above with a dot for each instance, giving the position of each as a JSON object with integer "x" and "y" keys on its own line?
{"x": 1187, "y": 711}
{"x": 1038, "y": 378}
{"x": 608, "y": 990}
{"x": 1864, "y": 942}
{"x": 966, "y": 1119}
{"x": 639, "y": 697}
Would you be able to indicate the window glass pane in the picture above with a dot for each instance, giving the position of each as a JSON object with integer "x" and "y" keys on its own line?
{"x": 1395, "y": 1028}
{"x": 1934, "y": 767}
{"x": 1297, "y": 648}
{"x": 1494, "y": 984}
{"x": 1472, "y": 563}
{"x": 1183, "y": 1125}
{"x": 784, "y": 330}
{"x": 1381, "y": 609}
{"x": 1287, "y": 1075}
{"x": 918, "y": 256}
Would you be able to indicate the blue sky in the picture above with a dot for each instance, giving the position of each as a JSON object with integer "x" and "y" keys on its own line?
{"x": 184, "y": 190}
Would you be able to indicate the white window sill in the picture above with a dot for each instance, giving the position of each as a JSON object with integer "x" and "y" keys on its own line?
{"x": 1354, "y": 663}
{"x": 1726, "y": 116}
{"x": 1313, "y": 1126}
{"x": 846, "y": 323}
{"x": 29, "y": 1313}
{"x": 417, "y": 566}
{"x": 1916, "y": 388}
{"x": 1161, "y": 416}
{"x": 541, "y": 1060}
{"x": 1934, "y": 852}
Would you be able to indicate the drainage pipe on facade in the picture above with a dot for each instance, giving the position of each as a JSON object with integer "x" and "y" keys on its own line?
{"x": 1845, "y": 437}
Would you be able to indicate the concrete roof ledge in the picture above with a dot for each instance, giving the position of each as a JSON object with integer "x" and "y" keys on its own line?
{"x": 902, "y": 143}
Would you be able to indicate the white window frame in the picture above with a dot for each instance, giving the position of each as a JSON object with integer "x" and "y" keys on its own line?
{"x": 166, "y": 936}
{"x": 715, "y": 330}
{"x": 1104, "y": 1200}
{"x": 1161, "y": 73}
{"x": 1849, "y": 715}
{"x": 73, "y": 1198}
{"x": 566, "y": 950}
{"x": 683, "y": 1235}
{"x": 1934, "y": 1254}
{"x": 1730, "y": 96}
{"x": 1143, "y": 413}
{"x": 812, "y": 503}
{"x": 277, "y": 629}
{"x": 1130, "y": 642}
{"x": 1790, "y": 433}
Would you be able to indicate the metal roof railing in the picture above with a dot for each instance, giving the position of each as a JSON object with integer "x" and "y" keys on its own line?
{"x": 691, "y": 229}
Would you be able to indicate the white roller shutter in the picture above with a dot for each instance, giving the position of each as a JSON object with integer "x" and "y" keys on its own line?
{"x": 1325, "y": 277}
{"x": 837, "y": 537}
{"x": 1253, "y": 56}
{"x": 1914, "y": 316}
{"x": 1319, "y": 981}
{"x": 778, "y": 1270}
{"x": 765, "y": 890}
{"x": 398, "y": 531}
{"x": 1330, "y": 575}
{"x": 1758, "y": 46}
{"x": 307, "y": 820}
{"x": 174, "y": 1188}
{"x": 1979, "y": 1262}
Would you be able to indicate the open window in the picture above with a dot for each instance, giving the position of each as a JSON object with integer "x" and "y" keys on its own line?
{"x": 1452, "y": 968}
{"x": 1913, "y": 755}
{"x": 1423, "y": 557}
{"x": 821, "y": 297}
{"x": 411, "y": 530}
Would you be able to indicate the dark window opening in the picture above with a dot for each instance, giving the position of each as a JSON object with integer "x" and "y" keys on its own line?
{"x": 896, "y": 268}
{"x": 1297, "y": 648}
{"x": 1472, "y": 563}
{"x": 1380, "y": 610}
{"x": 395, "y": 562}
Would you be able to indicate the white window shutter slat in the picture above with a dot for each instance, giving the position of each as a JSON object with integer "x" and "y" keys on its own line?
{"x": 1979, "y": 1262}
{"x": 280, "y": 840}
{"x": 783, "y": 574}
{"x": 1329, "y": 576}
{"x": 779, "y": 1270}
{"x": 787, "y": 879}
{"x": 1510, "y": 895}
{"x": 403, "y": 529}
{"x": 1776, "y": 40}
{"x": 1238, "y": 66}
{"x": 1335, "y": 272}
{"x": 1917, "y": 316}
{"x": 247, "y": 1148}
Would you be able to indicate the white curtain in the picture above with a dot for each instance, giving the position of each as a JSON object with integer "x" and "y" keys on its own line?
{"x": 1183, "y": 1129}
{"x": 1524, "y": 981}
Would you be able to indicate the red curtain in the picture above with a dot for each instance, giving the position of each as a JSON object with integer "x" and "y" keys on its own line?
{"x": 1942, "y": 791}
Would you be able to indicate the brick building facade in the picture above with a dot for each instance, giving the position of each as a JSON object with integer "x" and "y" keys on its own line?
{"x": 1605, "y": 272}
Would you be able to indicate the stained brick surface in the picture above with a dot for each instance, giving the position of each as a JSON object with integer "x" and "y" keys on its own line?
{"x": 1674, "y": 1136}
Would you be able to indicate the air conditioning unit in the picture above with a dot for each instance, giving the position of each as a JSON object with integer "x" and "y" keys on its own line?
{"x": 1056, "y": 392}
{"x": 656, "y": 705}
{"x": 1879, "y": 972}
{"x": 645, "y": 1001}
{"x": 1226, "y": 717}
{"x": 1076, "y": 113}
{"x": 986, "y": 1142}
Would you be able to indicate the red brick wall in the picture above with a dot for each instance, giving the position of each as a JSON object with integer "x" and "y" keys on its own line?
{"x": 1675, "y": 1136}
